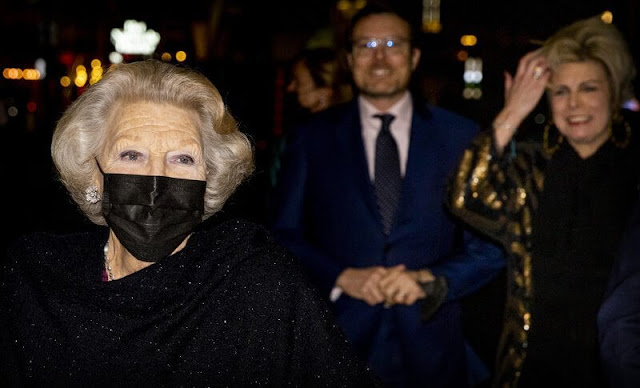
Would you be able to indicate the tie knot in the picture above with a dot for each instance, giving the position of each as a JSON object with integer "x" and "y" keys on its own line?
{"x": 386, "y": 118}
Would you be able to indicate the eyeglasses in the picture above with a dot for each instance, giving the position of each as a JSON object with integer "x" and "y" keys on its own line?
{"x": 367, "y": 46}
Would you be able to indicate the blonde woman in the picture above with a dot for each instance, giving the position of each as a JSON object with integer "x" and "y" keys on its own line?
{"x": 558, "y": 204}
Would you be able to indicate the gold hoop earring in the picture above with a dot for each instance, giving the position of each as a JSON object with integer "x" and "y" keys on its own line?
{"x": 627, "y": 135}
{"x": 550, "y": 150}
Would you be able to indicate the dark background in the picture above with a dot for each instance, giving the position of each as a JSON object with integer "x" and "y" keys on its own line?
{"x": 244, "y": 48}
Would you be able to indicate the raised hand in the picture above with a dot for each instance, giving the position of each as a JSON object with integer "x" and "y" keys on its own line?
{"x": 522, "y": 94}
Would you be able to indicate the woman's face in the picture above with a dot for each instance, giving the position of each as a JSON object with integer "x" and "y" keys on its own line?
{"x": 309, "y": 95}
{"x": 580, "y": 99}
{"x": 154, "y": 139}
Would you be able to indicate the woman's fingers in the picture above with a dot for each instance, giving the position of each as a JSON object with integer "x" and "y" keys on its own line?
{"x": 532, "y": 65}
{"x": 508, "y": 83}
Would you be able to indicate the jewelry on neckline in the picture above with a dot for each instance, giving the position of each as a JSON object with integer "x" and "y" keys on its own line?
{"x": 550, "y": 150}
{"x": 107, "y": 267}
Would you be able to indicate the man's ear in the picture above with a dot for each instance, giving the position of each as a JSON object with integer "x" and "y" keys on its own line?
{"x": 415, "y": 58}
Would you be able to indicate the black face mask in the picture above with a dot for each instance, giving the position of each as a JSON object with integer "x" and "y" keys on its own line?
{"x": 152, "y": 215}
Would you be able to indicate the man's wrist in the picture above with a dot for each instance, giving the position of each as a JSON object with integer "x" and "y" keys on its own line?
{"x": 436, "y": 291}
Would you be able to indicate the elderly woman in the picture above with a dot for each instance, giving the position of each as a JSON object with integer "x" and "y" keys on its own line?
{"x": 151, "y": 151}
{"x": 558, "y": 203}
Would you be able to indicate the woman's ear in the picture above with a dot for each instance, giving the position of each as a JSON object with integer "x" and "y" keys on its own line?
{"x": 93, "y": 192}
{"x": 98, "y": 176}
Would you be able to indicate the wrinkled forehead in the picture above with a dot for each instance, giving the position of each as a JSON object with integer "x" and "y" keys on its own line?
{"x": 153, "y": 118}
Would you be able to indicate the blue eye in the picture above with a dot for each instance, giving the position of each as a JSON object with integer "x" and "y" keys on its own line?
{"x": 372, "y": 44}
{"x": 391, "y": 43}
{"x": 185, "y": 159}
{"x": 130, "y": 155}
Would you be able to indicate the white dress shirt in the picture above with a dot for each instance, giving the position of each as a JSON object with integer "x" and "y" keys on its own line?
{"x": 400, "y": 129}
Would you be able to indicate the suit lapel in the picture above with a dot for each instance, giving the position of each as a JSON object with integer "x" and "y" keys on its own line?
{"x": 349, "y": 136}
{"x": 421, "y": 163}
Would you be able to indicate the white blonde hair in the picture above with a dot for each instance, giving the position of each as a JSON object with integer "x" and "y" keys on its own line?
{"x": 592, "y": 39}
{"x": 80, "y": 134}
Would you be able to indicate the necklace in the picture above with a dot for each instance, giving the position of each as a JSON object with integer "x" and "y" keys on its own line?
{"x": 107, "y": 267}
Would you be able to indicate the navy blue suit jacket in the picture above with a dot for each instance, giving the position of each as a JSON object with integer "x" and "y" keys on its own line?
{"x": 619, "y": 315}
{"x": 326, "y": 214}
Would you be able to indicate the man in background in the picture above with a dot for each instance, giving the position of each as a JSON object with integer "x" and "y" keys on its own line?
{"x": 360, "y": 202}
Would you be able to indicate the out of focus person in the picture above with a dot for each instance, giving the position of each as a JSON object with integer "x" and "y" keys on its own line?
{"x": 619, "y": 315}
{"x": 149, "y": 152}
{"x": 319, "y": 80}
{"x": 557, "y": 201}
{"x": 360, "y": 203}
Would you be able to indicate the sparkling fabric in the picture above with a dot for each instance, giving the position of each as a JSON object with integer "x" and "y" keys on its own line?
{"x": 232, "y": 309}
{"x": 387, "y": 181}
{"x": 559, "y": 220}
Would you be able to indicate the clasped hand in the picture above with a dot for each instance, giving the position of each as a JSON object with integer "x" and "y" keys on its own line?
{"x": 388, "y": 285}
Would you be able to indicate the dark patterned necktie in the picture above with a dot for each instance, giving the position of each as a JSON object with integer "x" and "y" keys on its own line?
{"x": 387, "y": 180}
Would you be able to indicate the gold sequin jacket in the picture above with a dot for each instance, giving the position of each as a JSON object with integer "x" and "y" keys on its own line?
{"x": 498, "y": 195}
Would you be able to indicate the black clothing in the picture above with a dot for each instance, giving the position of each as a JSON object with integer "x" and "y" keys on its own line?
{"x": 230, "y": 309}
{"x": 560, "y": 219}
{"x": 619, "y": 314}
{"x": 581, "y": 217}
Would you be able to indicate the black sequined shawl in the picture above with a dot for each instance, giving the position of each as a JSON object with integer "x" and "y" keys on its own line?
{"x": 230, "y": 310}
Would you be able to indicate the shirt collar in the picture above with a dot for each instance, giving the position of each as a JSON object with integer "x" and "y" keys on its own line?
{"x": 402, "y": 108}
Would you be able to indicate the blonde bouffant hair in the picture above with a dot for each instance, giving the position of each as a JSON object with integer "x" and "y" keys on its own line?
{"x": 81, "y": 132}
{"x": 592, "y": 39}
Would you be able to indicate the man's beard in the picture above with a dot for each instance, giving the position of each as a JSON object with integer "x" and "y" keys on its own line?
{"x": 372, "y": 94}
{"x": 393, "y": 90}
